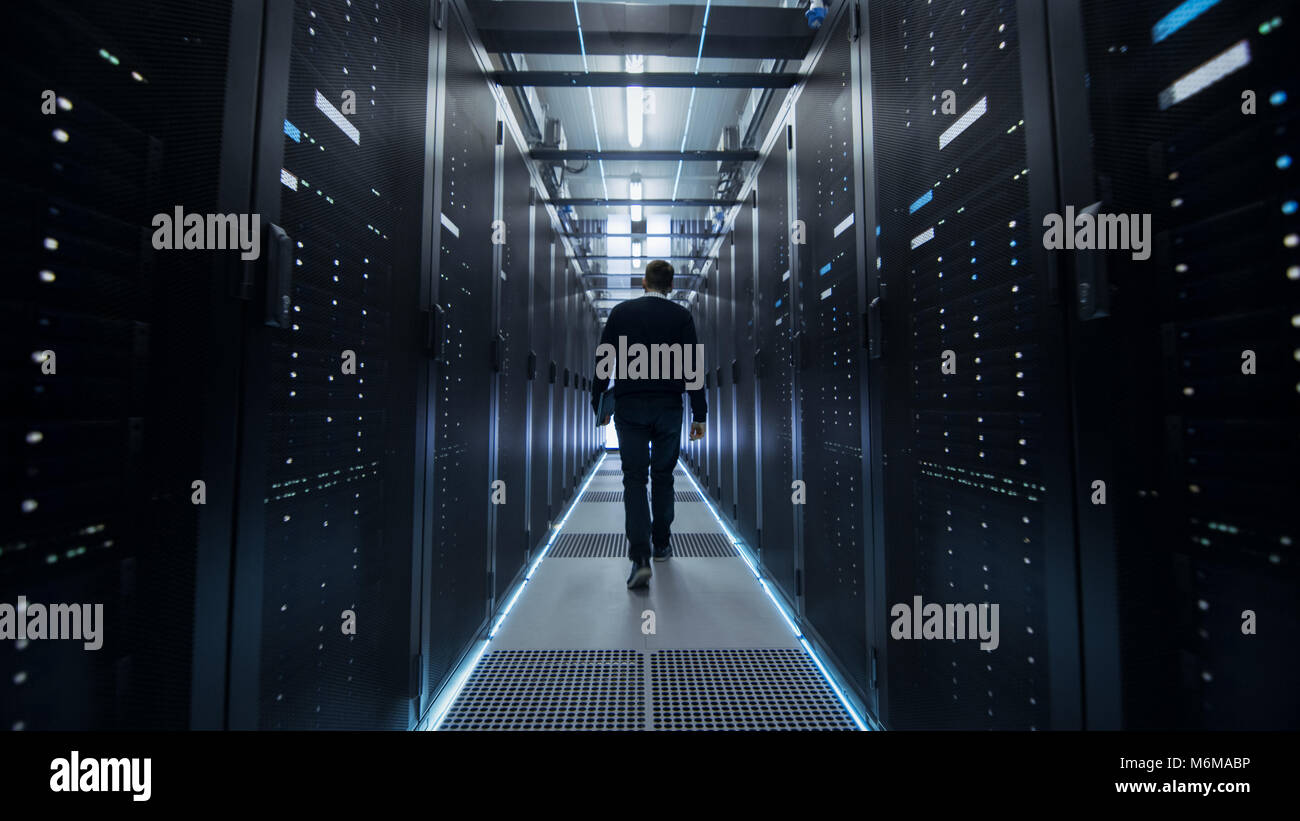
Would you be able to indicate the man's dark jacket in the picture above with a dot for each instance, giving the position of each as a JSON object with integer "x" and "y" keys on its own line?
{"x": 651, "y": 320}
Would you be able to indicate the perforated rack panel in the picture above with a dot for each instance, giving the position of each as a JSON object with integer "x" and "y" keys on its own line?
{"x": 831, "y": 339}
{"x": 715, "y": 362}
{"x": 560, "y": 318}
{"x": 964, "y": 487}
{"x": 542, "y": 341}
{"x": 465, "y": 292}
{"x": 1204, "y": 453}
{"x": 97, "y": 458}
{"x": 513, "y": 385}
{"x": 724, "y": 410}
{"x": 773, "y": 337}
{"x": 337, "y": 483}
{"x": 747, "y": 453}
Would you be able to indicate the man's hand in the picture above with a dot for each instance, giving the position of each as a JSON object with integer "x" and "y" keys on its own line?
{"x": 697, "y": 431}
{"x": 605, "y": 421}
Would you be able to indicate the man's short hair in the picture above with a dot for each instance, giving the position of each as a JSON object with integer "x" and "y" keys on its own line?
{"x": 658, "y": 275}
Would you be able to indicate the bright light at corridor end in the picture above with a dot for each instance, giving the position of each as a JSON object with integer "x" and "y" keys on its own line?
{"x": 634, "y": 190}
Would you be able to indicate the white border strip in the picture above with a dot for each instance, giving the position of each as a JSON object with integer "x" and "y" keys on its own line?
{"x": 337, "y": 118}
{"x": 954, "y": 131}
{"x": 844, "y": 225}
{"x": 451, "y": 226}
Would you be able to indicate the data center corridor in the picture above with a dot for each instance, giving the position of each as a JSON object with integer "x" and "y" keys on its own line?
{"x": 299, "y": 346}
{"x": 703, "y": 647}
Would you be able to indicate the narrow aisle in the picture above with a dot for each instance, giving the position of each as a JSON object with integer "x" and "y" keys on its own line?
{"x": 702, "y": 648}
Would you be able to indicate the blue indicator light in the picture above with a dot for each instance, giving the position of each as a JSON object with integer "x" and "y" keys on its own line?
{"x": 825, "y": 269}
{"x": 1289, "y": 207}
{"x": 1179, "y": 17}
{"x": 916, "y": 206}
{"x": 1284, "y": 161}
{"x": 292, "y": 131}
{"x": 1277, "y": 97}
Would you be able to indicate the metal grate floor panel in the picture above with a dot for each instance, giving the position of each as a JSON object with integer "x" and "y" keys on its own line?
{"x": 619, "y": 472}
{"x": 732, "y": 689}
{"x": 753, "y": 689}
{"x": 617, "y": 496}
{"x": 614, "y": 546}
{"x": 552, "y": 690}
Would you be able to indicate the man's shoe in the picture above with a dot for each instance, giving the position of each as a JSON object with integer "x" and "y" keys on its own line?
{"x": 640, "y": 575}
{"x": 663, "y": 554}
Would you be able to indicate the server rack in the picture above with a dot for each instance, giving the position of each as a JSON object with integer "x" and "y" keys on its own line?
{"x": 715, "y": 359}
{"x": 1195, "y": 450}
{"x": 726, "y": 375}
{"x": 975, "y": 464}
{"x": 540, "y": 417}
{"x": 510, "y": 360}
{"x": 559, "y": 307}
{"x": 100, "y": 456}
{"x": 835, "y": 534}
{"x": 748, "y": 507}
{"x": 573, "y": 332}
{"x": 457, "y": 503}
{"x": 325, "y": 502}
{"x": 775, "y": 373}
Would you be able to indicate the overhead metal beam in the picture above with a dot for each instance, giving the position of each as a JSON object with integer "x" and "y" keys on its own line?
{"x": 602, "y": 235}
{"x": 648, "y": 79}
{"x": 646, "y": 257}
{"x": 563, "y": 201}
{"x": 563, "y": 154}
{"x": 743, "y": 32}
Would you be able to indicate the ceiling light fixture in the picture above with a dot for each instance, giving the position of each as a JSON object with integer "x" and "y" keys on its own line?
{"x": 635, "y": 64}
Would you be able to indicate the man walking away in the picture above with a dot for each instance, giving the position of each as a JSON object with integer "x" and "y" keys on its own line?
{"x": 648, "y": 412}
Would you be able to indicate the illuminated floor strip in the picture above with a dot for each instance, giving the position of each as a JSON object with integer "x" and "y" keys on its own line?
{"x": 450, "y": 693}
{"x": 752, "y": 561}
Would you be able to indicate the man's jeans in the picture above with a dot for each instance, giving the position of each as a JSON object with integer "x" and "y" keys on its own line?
{"x": 649, "y": 430}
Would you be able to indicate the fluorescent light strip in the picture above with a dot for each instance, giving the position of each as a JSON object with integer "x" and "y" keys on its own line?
{"x": 742, "y": 549}
{"x": 690, "y": 106}
{"x": 1206, "y": 75}
{"x": 591, "y": 101}
{"x": 635, "y": 116}
{"x": 922, "y": 238}
{"x": 954, "y": 131}
{"x": 337, "y": 118}
{"x": 1179, "y": 17}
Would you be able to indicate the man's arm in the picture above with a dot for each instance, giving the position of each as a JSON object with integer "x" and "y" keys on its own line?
{"x": 598, "y": 383}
